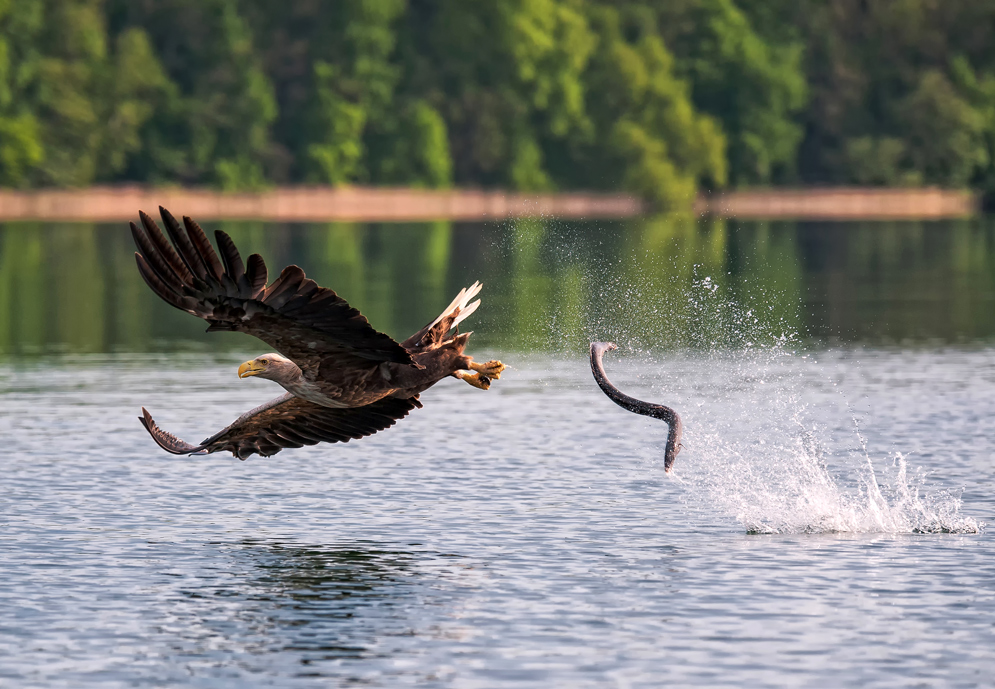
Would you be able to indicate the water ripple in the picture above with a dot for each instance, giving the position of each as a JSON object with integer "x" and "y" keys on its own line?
{"x": 526, "y": 536}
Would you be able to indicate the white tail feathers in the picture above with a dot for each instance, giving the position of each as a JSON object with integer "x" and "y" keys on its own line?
{"x": 469, "y": 293}
{"x": 465, "y": 313}
{"x": 460, "y": 302}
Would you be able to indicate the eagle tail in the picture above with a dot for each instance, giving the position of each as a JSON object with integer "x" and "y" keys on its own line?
{"x": 458, "y": 310}
{"x": 458, "y": 305}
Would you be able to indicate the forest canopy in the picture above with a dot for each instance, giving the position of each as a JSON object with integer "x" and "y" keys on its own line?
{"x": 662, "y": 98}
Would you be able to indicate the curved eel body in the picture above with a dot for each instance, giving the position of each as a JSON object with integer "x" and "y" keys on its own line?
{"x": 657, "y": 411}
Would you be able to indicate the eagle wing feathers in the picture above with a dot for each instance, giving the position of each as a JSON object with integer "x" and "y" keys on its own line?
{"x": 293, "y": 314}
{"x": 289, "y": 421}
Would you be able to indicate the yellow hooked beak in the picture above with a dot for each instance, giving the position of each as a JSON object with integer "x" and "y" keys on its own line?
{"x": 251, "y": 368}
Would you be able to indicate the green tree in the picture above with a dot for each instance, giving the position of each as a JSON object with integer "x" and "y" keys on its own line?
{"x": 648, "y": 135}
{"x": 979, "y": 91}
{"x": 506, "y": 77}
{"x": 70, "y": 108}
{"x": 341, "y": 118}
{"x": 73, "y": 42}
{"x": 899, "y": 92}
{"x": 90, "y": 102}
{"x": 555, "y": 94}
{"x": 354, "y": 82}
{"x": 20, "y": 136}
{"x": 755, "y": 87}
{"x": 651, "y": 97}
{"x": 138, "y": 88}
{"x": 411, "y": 148}
{"x": 215, "y": 104}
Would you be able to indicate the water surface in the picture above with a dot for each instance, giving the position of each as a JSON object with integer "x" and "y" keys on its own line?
{"x": 824, "y": 525}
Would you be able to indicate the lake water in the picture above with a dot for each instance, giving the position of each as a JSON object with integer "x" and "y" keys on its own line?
{"x": 824, "y": 525}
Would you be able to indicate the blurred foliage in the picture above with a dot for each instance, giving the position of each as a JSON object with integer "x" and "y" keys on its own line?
{"x": 755, "y": 87}
{"x": 657, "y": 98}
{"x": 213, "y": 103}
{"x": 902, "y": 93}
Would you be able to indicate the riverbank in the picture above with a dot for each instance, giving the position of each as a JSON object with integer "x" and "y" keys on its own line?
{"x": 310, "y": 204}
{"x": 841, "y": 203}
{"x": 323, "y": 204}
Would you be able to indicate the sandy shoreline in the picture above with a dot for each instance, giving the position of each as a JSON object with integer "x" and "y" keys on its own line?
{"x": 317, "y": 204}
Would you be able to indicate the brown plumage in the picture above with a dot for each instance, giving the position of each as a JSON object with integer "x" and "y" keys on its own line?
{"x": 343, "y": 378}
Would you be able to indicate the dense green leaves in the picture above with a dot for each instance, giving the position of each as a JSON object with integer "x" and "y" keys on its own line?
{"x": 754, "y": 87}
{"x": 901, "y": 92}
{"x": 658, "y": 98}
{"x": 20, "y": 134}
{"x": 215, "y": 104}
{"x": 659, "y": 145}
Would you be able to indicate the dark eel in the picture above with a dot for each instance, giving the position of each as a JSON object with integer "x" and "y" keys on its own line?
{"x": 657, "y": 411}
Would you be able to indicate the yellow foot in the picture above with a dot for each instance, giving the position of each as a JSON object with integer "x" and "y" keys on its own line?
{"x": 491, "y": 369}
{"x": 474, "y": 378}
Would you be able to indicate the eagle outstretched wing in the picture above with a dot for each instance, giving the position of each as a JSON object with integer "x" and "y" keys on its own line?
{"x": 300, "y": 319}
{"x": 289, "y": 421}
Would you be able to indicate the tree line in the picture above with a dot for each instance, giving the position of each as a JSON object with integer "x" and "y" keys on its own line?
{"x": 662, "y": 98}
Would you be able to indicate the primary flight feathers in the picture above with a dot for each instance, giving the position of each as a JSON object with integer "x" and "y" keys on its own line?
{"x": 288, "y": 421}
{"x": 230, "y": 296}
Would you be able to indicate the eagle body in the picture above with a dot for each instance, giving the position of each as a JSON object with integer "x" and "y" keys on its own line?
{"x": 364, "y": 384}
{"x": 343, "y": 379}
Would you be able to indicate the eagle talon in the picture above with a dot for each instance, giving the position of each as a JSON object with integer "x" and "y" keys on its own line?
{"x": 492, "y": 369}
{"x": 474, "y": 378}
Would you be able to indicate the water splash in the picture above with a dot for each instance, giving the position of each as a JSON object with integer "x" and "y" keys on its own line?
{"x": 798, "y": 493}
{"x": 758, "y": 410}
{"x": 759, "y": 430}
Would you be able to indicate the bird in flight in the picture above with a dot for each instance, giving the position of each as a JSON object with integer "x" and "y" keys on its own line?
{"x": 343, "y": 379}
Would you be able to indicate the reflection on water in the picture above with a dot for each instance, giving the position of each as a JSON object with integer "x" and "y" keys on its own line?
{"x": 549, "y": 285}
{"x": 523, "y": 537}
{"x": 313, "y": 603}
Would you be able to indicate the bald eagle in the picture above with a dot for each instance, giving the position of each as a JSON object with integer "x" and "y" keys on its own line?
{"x": 343, "y": 379}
